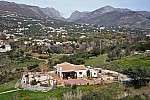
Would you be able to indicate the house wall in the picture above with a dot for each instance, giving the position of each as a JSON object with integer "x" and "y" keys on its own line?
{"x": 93, "y": 73}
{"x": 7, "y": 47}
{"x": 31, "y": 78}
{"x": 59, "y": 71}
{"x": 80, "y": 73}
{"x": 23, "y": 80}
{"x": 42, "y": 78}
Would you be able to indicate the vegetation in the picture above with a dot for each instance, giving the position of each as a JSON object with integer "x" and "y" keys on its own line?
{"x": 134, "y": 61}
{"x": 62, "y": 92}
{"x": 109, "y": 48}
{"x": 8, "y": 86}
{"x": 96, "y": 61}
{"x": 12, "y": 65}
{"x": 109, "y": 91}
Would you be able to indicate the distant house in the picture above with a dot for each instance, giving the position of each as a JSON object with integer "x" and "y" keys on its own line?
{"x": 147, "y": 51}
{"x": 148, "y": 35}
{"x": 4, "y": 45}
{"x": 5, "y": 48}
{"x": 83, "y": 36}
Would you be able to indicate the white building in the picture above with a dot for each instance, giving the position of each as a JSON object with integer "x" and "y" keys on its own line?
{"x": 67, "y": 71}
{"x": 5, "y": 48}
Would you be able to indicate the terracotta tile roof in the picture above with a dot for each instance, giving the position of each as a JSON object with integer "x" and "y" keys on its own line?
{"x": 71, "y": 67}
{"x": 79, "y": 67}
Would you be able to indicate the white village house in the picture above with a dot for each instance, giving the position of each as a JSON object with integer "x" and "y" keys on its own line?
{"x": 69, "y": 74}
{"x": 5, "y": 48}
{"x": 71, "y": 71}
{"x": 67, "y": 70}
{"x": 4, "y": 44}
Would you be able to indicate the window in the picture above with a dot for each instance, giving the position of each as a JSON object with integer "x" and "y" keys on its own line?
{"x": 26, "y": 75}
{"x": 80, "y": 73}
{"x": 100, "y": 71}
{"x": 108, "y": 78}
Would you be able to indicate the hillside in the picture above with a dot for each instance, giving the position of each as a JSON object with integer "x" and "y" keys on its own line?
{"x": 110, "y": 16}
{"x": 53, "y": 13}
{"x": 29, "y": 11}
{"x": 107, "y": 16}
{"x": 77, "y": 15}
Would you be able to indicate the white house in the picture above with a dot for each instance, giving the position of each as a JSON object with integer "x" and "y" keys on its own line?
{"x": 67, "y": 70}
{"x": 5, "y": 48}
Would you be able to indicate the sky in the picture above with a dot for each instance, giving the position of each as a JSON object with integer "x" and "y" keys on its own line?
{"x": 66, "y": 7}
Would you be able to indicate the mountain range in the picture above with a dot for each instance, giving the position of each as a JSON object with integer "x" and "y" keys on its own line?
{"x": 110, "y": 16}
{"x": 107, "y": 16}
{"x": 29, "y": 11}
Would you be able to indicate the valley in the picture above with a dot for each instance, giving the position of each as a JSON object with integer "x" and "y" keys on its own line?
{"x": 40, "y": 48}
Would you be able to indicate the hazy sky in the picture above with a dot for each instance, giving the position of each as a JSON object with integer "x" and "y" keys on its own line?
{"x": 66, "y": 7}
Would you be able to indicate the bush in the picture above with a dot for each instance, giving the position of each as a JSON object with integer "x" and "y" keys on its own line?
{"x": 74, "y": 87}
{"x": 43, "y": 57}
{"x": 32, "y": 67}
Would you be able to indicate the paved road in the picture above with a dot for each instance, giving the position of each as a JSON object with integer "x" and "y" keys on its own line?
{"x": 9, "y": 91}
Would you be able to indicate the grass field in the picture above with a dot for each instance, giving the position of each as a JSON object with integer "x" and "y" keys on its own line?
{"x": 26, "y": 62}
{"x": 57, "y": 94}
{"x": 8, "y": 86}
{"x": 96, "y": 61}
{"x": 125, "y": 63}
{"x": 96, "y": 92}
{"x": 132, "y": 62}
{"x": 29, "y": 95}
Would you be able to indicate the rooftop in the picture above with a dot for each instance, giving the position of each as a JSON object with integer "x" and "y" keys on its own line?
{"x": 71, "y": 67}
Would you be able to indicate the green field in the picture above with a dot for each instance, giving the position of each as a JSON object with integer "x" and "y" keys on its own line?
{"x": 26, "y": 62}
{"x": 136, "y": 61}
{"x": 8, "y": 86}
{"x": 130, "y": 61}
{"x": 57, "y": 94}
{"x": 29, "y": 95}
{"x": 96, "y": 61}
{"x": 122, "y": 64}
{"x": 96, "y": 92}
